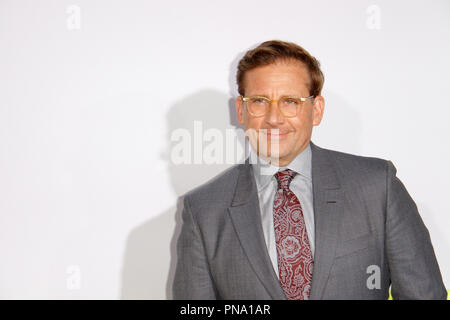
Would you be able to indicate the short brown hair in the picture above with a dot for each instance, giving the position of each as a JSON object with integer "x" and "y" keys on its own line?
{"x": 274, "y": 50}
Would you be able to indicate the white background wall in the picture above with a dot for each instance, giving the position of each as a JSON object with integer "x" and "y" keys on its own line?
{"x": 90, "y": 92}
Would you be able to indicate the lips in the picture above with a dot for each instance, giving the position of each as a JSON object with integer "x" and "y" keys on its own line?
{"x": 277, "y": 134}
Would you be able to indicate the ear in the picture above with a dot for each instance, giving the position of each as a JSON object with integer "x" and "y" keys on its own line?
{"x": 240, "y": 110}
{"x": 318, "y": 109}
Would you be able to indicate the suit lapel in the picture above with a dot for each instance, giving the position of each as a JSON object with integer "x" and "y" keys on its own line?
{"x": 328, "y": 204}
{"x": 246, "y": 218}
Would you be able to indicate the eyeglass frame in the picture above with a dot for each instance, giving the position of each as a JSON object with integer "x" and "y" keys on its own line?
{"x": 302, "y": 99}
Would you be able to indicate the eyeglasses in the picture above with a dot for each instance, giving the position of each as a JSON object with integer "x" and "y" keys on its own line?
{"x": 259, "y": 106}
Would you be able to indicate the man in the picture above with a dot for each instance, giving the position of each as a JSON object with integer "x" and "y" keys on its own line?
{"x": 302, "y": 222}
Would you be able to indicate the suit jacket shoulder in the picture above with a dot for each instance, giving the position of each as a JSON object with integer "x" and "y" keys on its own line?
{"x": 215, "y": 193}
{"x": 347, "y": 162}
{"x": 356, "y": 172}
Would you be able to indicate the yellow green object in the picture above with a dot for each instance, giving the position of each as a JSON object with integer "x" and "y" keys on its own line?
{"x": 390, "y": 295}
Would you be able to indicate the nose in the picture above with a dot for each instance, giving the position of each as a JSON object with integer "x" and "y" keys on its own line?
{"x": 274, "y": 117}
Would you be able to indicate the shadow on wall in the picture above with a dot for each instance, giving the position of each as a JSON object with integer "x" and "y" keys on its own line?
{"x": 150, "y": 254}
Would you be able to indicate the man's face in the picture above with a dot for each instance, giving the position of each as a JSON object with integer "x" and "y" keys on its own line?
{"x": 283, "y": 78}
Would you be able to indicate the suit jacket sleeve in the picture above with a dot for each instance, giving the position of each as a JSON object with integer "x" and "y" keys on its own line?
{"x": 413, "y": 267}
{"x": 192, "y": 277}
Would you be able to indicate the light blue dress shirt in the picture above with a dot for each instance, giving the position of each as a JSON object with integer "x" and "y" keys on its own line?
{"x": 267, "y": 186}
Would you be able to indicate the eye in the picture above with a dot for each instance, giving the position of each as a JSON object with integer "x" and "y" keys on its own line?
{"x": 258, "y": 100}
{"x": 290, "y": 101}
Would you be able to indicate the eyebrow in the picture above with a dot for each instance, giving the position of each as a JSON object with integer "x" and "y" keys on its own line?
{"x": 266, "y": 96}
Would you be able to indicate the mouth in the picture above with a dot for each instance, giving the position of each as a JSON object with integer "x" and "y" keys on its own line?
{"x": 277, "y": 134}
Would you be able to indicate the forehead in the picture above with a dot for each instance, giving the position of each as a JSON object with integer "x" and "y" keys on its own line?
{"x": 284, "y": 77}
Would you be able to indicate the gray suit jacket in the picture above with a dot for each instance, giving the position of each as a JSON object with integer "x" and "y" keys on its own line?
{"x": 368, "y": 236}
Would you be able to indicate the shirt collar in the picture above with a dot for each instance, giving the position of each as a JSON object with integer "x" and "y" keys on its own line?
{"x": 264, "y": 171}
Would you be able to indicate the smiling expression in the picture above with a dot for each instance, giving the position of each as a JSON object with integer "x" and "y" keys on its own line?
{"x": 290, "y": 136}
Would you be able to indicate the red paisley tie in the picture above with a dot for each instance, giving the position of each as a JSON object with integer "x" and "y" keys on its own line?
{"x": 295, "y": 260}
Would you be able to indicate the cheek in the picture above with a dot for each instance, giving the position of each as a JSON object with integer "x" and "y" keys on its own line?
{"x": 298, "y": 124}
{"x": 302, "y": 130}
{"x": 253, "y": 123}
{"x": 304, "y": 122}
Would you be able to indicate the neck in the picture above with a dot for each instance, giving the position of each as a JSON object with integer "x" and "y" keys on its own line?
{"x": 280, "y": 161}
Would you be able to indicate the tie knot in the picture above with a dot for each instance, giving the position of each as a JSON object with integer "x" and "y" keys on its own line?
{"x": 284, "y": 178}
